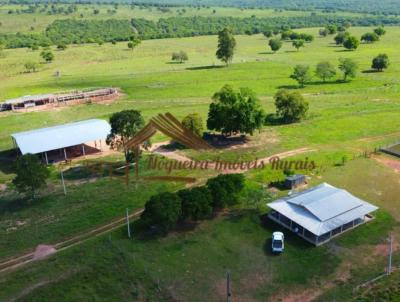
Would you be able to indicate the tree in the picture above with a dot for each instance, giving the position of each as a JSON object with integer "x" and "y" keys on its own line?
{"x": 380, "y": 31}
{"x": 196, "y": 203}
{"x": 331, "y": 29}
{"x": 275, "y": 44}
{"x": 323, "y": 32}
{"x": 341, "y": 37}
{"x": 162, "y": 211}
{"x": 124, "y": 125}
{"x": 348, "y": 67}
{"x": 34, "y": 47}
{"x": 369, "y": 37}
{"x": 62, "y": 46}
{"x": 302, "y": 74}
{"x": 194, "y": 123}
{"x": 235, "y": 111}
{"x": 325, "y": 70}
{"x": 226, "y": 45}
{"x": 31, "y": 66}
{"x": 47, "y": 55}
{"x": 31, "y": 174}
{"x": 133, "y": 42}
{"x": 290, "y": 106}
{"x": 225, "y": 188}
{"x": 380, "y": 62}
{"x": 179, "y": 56}
{"x": 267, "y": 33}
{"x": 351, "y": 43}
{"x": 297, "y": 44}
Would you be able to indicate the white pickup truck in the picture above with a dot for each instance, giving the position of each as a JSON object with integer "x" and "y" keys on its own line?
{"x": 278, "y": 242}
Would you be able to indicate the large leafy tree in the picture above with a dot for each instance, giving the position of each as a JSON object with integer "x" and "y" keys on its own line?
{"x": 348, "y": 67}
{"x": 124, "y": 125}
{"x": 380, "y": 62}
{"x": 235, "y": 111}
{"x": 325, "y": 70}
{"x": 226, "y": 45}
{"x": 302, "y": 74}
{"x": 290, "y": 106}
{"x": 31, "y": 174}
{"x": 193, "y": 122}
{"x": 162, "y": 211}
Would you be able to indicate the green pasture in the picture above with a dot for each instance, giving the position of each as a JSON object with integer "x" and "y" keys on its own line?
{"x": 190, "y": 264}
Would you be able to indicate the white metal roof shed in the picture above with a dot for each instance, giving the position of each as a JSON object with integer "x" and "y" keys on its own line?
{"x": 62, "y": 136}
{"x": 323, "y": 208}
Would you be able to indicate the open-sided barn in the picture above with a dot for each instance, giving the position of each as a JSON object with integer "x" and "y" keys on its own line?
{"x": 320, "y": 213}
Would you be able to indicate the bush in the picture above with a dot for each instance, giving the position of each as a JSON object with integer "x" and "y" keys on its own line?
{"x": 290, "y": 106}
{"x": 196, "y": 203}
{"x": 194, "y": 123}
{"x": 380, "y": 62}
{"x": 162, "y": 211}
{"x": 225, "y": 188}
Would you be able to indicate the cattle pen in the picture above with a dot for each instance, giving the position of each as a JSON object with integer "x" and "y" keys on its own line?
{"x": 48, "y": 101}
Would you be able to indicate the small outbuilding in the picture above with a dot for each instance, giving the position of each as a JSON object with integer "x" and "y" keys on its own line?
{"x": 295, "y": 181}
{"x": 321, "y": 213}
{"x": 63, "y": 141}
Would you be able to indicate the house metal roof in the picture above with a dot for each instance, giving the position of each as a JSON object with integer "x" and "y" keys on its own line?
{"x": 322, "y": 208}
{"x": 62, "y": 136}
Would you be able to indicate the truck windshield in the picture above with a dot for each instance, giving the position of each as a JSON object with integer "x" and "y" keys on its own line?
{"x": 277, "y": 244}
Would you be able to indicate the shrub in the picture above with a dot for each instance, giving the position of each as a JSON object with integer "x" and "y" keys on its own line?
{"x": 196, "y": 203}
{"x": 380, "y": 62}
{"x": 290, "y": 106}
{"x": 162, "y": 211}
{"x": 194, "y": 123}
{"x": 225, "y": 188}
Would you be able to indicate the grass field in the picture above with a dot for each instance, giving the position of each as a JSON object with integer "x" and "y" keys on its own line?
{"x": 345, "y": 119}
{"x": 181, "y": 266}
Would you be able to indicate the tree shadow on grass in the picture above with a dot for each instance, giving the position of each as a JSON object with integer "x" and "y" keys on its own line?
{"x": 174, "y": 63}
{"x": 7, "y": 161}
{"x": 205, "y": 67}
{"x": 289, "y": 87}
{"x": 266, "y": 53}
{"x": 371, "y": 71}
{"x": 291, "y": 51}
{"x": 220, "y": 141}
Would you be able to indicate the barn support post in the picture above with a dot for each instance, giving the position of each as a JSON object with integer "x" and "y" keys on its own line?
{"x": 47, "y": 160}
{"x": 83, "y": 150}
{"x": 65, "y": 154}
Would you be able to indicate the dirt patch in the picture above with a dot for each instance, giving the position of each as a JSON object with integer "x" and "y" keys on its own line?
{"x": 43, "y": 251}
{"x": 389, "y": 162}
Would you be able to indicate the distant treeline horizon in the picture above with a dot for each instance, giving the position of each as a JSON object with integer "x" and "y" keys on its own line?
{"x": 384, "y": 7}
{"x": 76, "y": 31}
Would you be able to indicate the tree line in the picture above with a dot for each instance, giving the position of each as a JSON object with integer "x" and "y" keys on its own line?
{"x": 72, "y": 31}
